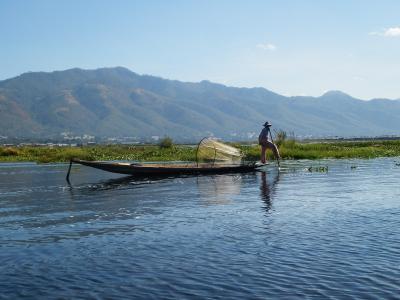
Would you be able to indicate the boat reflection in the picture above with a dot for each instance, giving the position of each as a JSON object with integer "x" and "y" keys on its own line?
{"x": 121, "y": 182}
{"x": 218, "y": 189}
{"x": 212, "y": 189}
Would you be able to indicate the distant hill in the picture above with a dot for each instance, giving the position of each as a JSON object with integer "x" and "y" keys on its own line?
{"x": 115, "y": 102}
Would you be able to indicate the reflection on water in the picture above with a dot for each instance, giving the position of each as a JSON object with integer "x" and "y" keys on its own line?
{"x": 218, "y": 189}
{"x": 213, "y": 189}
{"x": 325, "y": 235}
{"x": 268, "y": 188}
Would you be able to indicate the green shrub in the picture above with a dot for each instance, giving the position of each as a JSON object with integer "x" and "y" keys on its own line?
{"x": 9, "y": 152}
{"x": 166, "y": 142}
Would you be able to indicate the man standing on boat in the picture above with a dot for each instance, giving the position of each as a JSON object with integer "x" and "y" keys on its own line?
{"x": 264, "y": 141}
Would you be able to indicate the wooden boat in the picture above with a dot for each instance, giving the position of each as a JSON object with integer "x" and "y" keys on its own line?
{"x": 164, "y": 168}
{"x": 212, "y": 157}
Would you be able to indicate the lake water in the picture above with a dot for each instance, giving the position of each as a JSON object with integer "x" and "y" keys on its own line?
{"x": 264, "y": 235}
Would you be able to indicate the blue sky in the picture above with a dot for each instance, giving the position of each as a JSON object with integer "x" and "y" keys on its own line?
{"x": 290, "y": 47}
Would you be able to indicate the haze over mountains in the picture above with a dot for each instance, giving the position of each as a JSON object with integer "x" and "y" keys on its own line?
{"x": 115, "y": 102}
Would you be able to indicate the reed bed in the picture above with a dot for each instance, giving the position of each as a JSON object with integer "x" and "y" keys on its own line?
{"x": 289, "y": 149}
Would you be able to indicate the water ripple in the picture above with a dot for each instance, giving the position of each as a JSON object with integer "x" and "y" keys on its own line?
{"x": 296, "y": 233}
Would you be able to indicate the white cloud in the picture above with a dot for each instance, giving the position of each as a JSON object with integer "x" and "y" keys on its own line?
{"x": 267, "y": 46}
{"x": 388, "y": 32}
{"x": 392, "y": 31}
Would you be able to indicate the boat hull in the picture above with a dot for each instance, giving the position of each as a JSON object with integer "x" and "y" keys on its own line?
{"x": 164, "y": 169}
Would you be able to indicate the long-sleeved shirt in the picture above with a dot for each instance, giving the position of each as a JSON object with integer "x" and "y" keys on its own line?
{"x": 263, "y": 137}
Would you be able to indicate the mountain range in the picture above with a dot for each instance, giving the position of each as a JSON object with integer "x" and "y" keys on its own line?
{"x": 116, "y": 102}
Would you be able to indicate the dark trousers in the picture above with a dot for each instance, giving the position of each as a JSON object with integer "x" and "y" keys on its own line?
{"x": 268, "y": 145}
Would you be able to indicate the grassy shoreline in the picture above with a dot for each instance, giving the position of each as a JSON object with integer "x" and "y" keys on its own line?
{"x": 289, "y": 150}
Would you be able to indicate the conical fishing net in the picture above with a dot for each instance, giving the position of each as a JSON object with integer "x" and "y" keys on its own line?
{"x": 214, "y": 152}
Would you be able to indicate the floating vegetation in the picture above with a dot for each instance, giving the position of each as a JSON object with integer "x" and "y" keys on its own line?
{"x": 320, "y": 169}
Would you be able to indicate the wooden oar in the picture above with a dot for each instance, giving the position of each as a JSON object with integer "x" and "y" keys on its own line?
{"x": 69, "y": 170}
{"x": 272, "y": 140}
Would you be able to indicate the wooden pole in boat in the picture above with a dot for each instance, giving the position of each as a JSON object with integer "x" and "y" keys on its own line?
{"x": 69, "y": 171}
{"x": 272, "y": 140}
